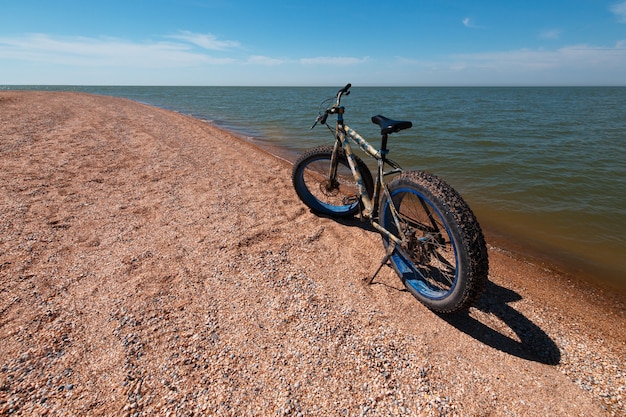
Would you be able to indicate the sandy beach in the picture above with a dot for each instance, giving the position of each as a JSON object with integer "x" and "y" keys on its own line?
{"x": 151, "y": 263}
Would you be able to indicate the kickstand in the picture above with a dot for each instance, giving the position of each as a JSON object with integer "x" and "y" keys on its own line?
{"x": 390, "y": 250}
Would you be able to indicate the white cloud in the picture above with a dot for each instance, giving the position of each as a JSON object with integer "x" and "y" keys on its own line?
{"x": 571, "y": 65}
{"x": 552, "y": 34}
{"x": 264, "y": 60}
{"x": 41, "y": 58}
{"x": 575, "y": 56}
{"x": 619, "y": 9}
{"x": 84, "y": 51}
{"x": 334, "y": 61}
{"x": 205, "y": 40}
{"x": 469, "y": 23}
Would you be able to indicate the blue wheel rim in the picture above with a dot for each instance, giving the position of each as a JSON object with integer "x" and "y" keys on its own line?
{"x": 405, "y": 268}
{"x": 320, "y": 204}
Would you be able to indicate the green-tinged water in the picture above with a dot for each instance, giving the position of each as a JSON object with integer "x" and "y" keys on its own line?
{"x": 542, "y": 168}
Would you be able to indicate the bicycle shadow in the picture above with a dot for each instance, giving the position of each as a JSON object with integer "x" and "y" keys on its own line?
{"x": 351, "y": 221}
{"x": 533, "y": 344}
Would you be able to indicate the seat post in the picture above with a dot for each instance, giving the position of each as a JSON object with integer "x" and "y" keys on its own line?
{"x": 383, "y": 144}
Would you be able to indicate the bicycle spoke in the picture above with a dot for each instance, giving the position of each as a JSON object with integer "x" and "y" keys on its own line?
{"x": 337, "y": 196}
{"x": 427, "y": 244}
{"x": 429, "y": 213}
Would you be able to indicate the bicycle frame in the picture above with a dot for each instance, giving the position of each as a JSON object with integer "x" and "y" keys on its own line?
{"x": 430, "y": 235}
{"x": 371, "y": 203}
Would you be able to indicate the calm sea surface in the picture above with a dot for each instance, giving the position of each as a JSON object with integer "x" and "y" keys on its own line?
{"x": 544, "y": 169}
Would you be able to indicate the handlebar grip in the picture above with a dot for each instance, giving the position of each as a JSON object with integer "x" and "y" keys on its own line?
{"x": 345, "y": 90}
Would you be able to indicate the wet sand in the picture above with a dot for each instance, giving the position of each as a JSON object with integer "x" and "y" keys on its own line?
{"x": 150, "y": 262}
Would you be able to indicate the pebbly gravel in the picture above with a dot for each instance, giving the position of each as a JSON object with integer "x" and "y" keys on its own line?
{"x": 151, "y": 264}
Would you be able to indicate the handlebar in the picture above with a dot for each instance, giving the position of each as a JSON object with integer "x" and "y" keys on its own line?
{"x": 344, "y": 90}
{"x": 322, "y": 117}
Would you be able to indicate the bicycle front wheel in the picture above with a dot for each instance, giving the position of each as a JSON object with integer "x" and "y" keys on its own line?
{"x": 334, "y": 197}
{"x": 443, "y": 259}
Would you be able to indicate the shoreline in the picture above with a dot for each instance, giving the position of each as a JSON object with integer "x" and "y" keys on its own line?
{"x": 151, "y": 262}
{"x": 559, "y": 257}
{"x": 563, "y": 264}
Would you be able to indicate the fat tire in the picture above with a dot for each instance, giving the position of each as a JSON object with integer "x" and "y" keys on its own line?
{"x": 460, "y": 243}
{"x": 340, "y": 201}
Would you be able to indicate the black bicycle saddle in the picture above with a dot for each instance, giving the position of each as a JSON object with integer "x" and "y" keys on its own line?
{"x": 390, "y": 126}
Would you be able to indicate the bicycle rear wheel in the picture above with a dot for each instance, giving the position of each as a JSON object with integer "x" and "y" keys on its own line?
{"x": 338, "y": 197}
{"x": 443, "y": 261}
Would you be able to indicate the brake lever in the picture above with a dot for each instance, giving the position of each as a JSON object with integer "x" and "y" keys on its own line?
{"x": 321, "y": 118}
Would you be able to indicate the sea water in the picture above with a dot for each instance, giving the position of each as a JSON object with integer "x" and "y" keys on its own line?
{"x": 544, "y": 169}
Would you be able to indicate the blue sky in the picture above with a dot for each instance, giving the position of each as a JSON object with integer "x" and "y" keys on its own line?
{"x": 272, "y": 42}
